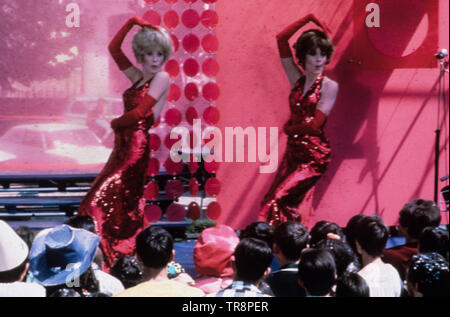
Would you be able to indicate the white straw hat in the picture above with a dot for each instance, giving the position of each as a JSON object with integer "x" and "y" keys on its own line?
{"x": 13, "y": 250}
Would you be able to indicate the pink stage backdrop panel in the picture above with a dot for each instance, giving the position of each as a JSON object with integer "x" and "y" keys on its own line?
{"x": 382, "y": 126}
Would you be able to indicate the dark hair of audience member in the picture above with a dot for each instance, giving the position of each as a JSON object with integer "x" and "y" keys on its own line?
{"x": 372, "y": 235}
{"x": 27, "y": 235}
{"x": 320, "y": 231}
{"x": 428, "y": 273}
{"x": 341, "y": 251}
{"x": 418, "y": 214}
{"x": 351, "y": 284}
{"x": 128, "y": 270}
{"x": 317, "y": 271}
{"x": 351, "y": 229}
{"x": 291, "y": 238}
{"x": 14, "y": 274}
{"x": 64, "y": 292}
{"x": 252, "y": 257}
{"x": 82, "y": 222}
{"x": 259, "y": 230}
{"x": 87, "y": 284}
{"x": 434, "y": 239}
{"x": 154, "y": 247}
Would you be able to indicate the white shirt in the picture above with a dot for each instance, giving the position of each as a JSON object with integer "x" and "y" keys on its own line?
{"x": 108, "y": 283}
{"x": 382, "y": 278}
{"x": 21, "y": 289}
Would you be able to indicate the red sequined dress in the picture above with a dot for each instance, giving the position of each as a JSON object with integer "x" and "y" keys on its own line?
{"x": 305, "y": 160}
{"x": 115, "y": 199}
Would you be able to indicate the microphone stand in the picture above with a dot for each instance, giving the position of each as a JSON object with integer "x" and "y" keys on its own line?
{"x": 441, "y": 94}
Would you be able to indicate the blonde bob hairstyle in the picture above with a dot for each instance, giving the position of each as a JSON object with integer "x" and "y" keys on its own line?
{"x": 147, "y": 39}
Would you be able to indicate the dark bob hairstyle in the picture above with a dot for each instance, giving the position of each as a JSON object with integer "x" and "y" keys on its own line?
{"x": 309, "y": 41}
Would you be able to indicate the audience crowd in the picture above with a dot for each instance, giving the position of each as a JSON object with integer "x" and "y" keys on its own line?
{"x": 258, "y": 261}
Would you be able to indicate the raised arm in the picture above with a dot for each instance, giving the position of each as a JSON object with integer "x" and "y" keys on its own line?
{"x": 151, "y": 103}
{"x": 290, "y": 67}
{"x": 115, "y": 48}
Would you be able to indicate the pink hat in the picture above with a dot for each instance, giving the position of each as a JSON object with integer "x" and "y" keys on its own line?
{"x": 213, "y": 251}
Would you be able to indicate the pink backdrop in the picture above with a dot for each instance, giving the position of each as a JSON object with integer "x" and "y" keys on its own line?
{"x": 381, "y": 128}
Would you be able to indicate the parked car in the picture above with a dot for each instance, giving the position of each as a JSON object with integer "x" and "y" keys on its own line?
{"x": 51, "y": 145}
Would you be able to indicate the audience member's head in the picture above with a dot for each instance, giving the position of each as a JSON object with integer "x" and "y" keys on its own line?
{"x": 341, "y": 251}
{"x": 81, "y": 222}
{"x": 64, "y": 292}
{"x": 351, "y": 230}
{"x": 259, "y": 230}
{"x": 317, "y": 272}
{"x": 434, "y": 239}
{"x": 427, "y": 276}
{"x": 372, "y": 236}
{"x": 290, "y": 238}
{"x": 213, "y": 251}
{"x": 352, "y": 284}
{"x": 154, "y": 247}
{"x": 26, "y": 234}
{"x": 252, "y": 259}
{"x": 128, "y": 270}
{"x": 61, "y": 255}
{"x": 320, "y": 231}
{"x": 416, "y": 215}
{"x": 13, "y": 255}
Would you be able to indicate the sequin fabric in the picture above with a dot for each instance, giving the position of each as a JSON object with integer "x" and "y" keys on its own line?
{"x": 115, "y": 200}
{"x": 305, "y": 160}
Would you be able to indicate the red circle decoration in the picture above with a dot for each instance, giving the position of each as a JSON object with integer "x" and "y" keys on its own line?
{"x": 193, "y": 211}
{"x": 152, "y": 213}
{"x": 175, "y": 212}
{"x": 213, "y": 210}
{"x": 153, "y": 167}
{"x": 174, "y": 93}
{"x": 171, "y": 1}
{"x": 191, "y": 67}
{"x": 190, "y": 18}
{"x": 174, "y": 188}
{"x": 172, "y": 68}
{"x": 157, "y": 122}
{"x": 193, "y": 167}
{"x": 210, "y": 91}
{"x": 151, "y": 1}
{"x": 209, "y": 19}
{"x": 173, "y": 168}
{"x": 212, "y": 187}
{"x": 211, "y": 167}
{"x": 152, "y": 17}
{"x": 155, "y": 142}
{"x": 209, "y": 1}
{"x": 191, "y": 91}
{"x": 210, "y": 67}
{"x": 168, "y": 142}
{"x": 171, "y": 19}
{"x": 175, "y": 42}
{"x": 191, "y": 43}
{"x": 191, "y": 114}
{"x": 193, "y": 186}
{"x": 173, "y": 117}
{"x": 210, "y": 43}
{"x": 190, "y": 1}
{"x": 211, "y": 115}
{"x": 151, "y": 191}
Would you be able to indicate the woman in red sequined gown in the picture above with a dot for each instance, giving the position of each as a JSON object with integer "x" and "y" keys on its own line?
{"x": 115, "y": 199}
{"x": 311, "y": 99}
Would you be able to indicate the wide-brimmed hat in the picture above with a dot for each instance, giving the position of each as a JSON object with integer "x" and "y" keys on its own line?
{"x": 213, "y": 251}
{"x": 62, "y": 254}
{"x": 13, "y": 250}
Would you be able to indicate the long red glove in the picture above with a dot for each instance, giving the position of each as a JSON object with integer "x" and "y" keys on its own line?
{"x": 312, "y": 127}
{"x": 132, "y": 117}
{"x": 284, "y": 36}
{"x": 115, "y": 45}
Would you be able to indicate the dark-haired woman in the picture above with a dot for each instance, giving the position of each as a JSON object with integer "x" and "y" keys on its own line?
{"x": 311, "y": 99}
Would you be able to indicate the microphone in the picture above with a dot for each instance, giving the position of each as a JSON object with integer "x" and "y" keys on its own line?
{"x": 443, "y": 53}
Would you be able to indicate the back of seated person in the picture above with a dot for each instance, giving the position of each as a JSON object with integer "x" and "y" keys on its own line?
{"x": 290, "y": 238}
{"x": 320, "y": 231}
{"x": 413, "y": 218}
{"x": 434, "y": 239}
{"x": 317, "y": 272}
{"x": 351, "y": 284}
{"x": 342, "y": 253}
{"x": 128, "y": 270}
{"x": 260, "y": 230}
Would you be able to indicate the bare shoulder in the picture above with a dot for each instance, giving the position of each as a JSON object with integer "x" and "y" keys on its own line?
{"x": 330, "y": 86}
{"x": 162, "y": 76}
